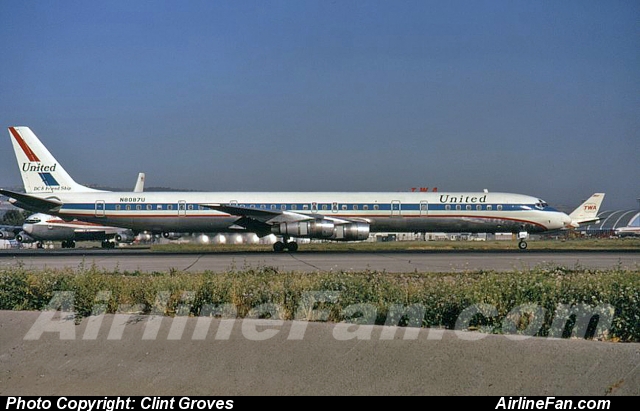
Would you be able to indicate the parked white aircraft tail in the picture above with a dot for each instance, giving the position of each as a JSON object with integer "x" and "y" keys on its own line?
{"x": 338, "y": 216}
{"x": 139, "y": 187}
{"x": 587, "y": 212}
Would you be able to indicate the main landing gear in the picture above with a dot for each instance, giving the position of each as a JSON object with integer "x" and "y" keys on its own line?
{"x": 280, "y": 246}
{"x": 108, "y": 244}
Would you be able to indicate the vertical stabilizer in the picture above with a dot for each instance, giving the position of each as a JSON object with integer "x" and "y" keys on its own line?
{"x": 587, "y": 212}
{"x": 139, "y": 187}
{"x": 40, "y": 171}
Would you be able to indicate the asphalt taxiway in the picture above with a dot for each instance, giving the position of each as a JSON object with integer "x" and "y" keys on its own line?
{"x": 270, "y": 357}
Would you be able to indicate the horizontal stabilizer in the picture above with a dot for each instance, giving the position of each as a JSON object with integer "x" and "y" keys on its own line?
{"x": 30, "y": 202}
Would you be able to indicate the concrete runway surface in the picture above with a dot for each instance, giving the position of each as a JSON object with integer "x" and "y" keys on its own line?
{"x": 257, "y": 357}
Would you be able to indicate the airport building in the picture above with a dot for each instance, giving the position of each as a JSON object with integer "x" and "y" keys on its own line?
{"x": 610, "y": 221}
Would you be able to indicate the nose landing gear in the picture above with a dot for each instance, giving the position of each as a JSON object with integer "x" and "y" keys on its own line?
{"x": 522, "y": 236}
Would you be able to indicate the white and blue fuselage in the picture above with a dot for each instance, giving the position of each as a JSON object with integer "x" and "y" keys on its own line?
{"x": 383, "y": 211}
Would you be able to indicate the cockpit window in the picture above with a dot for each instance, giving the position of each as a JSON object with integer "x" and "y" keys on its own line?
{"x": 541, "y": 204}
{"x": 34, "y": 220}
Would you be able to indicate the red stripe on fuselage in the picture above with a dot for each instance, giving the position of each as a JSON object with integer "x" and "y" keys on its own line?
{"x": 76, "y": 223}
{"x": 27, "y": 151}
{"x": 336, "y": 216}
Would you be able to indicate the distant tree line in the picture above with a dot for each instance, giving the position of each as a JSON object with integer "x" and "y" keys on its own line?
{"x": 15, "y": 217}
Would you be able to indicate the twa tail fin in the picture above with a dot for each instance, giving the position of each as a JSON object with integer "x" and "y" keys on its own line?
{"x": 40, "y": 171}
{"x": 587, "y": 212}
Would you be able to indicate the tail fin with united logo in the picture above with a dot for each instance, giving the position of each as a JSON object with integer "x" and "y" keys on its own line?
{"x": 40, "y": 171}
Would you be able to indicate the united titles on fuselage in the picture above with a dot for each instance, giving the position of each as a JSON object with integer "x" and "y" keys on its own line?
{"x": 447, "y": 198}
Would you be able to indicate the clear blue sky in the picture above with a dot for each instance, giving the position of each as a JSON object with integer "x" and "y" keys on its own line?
{"x": 532, "y": 97}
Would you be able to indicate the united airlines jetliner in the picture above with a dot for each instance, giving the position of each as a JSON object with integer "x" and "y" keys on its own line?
{"x": 338, "y": 216}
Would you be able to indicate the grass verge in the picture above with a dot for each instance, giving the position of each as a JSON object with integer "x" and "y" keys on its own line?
{"x": 544, "y": 301}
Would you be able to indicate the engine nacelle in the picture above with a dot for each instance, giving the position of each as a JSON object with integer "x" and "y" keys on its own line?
{"x": 171, "y": 236}
{"x": 123, "y": 238}
{"x": 25, "y": 238}
{"x": 351, "y": 232}
{"x": 310, "y": 229}
{"x": 144, "y": 237}
{"x": 324, "y": 229}
{"x": 7, "y": 235}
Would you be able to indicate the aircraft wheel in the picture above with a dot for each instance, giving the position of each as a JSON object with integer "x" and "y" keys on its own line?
{"x": 72, "y": 244}
{"x": 39, "y": 244}
{"x": 64, "y": 244}
{"x": 278, "y": 246}
{"x": 292, "y": 246}
{"x": 522, "y": 245}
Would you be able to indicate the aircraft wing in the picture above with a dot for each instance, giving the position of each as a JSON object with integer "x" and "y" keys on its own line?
{"x": 272, "y": 216}
{"x": 30, "y": 202}
{"x": 260, "y": 221}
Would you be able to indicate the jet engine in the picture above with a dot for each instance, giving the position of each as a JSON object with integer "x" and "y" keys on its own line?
{"x": 324, "y": 229}
{"x": 7, "y": 235}
{"x": 352, "y": 231}
{"x": 171, "y": 236}
{"x": 144, "y": 237}
{"x": 124, "y": 238}
{"x": 25, "y": 238}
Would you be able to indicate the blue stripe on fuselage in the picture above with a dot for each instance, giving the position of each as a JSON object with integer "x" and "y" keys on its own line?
{"x": 300, "y": 207}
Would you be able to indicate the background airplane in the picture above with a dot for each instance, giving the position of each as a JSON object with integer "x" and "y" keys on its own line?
{"x": 40, "y": 228}
{"x": 338, "y": 216}
{"x": 630, "y": 230}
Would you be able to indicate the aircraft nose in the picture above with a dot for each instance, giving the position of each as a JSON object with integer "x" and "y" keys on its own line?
{"x": 566, "y": 220}
{"x": 28, "y": 228}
